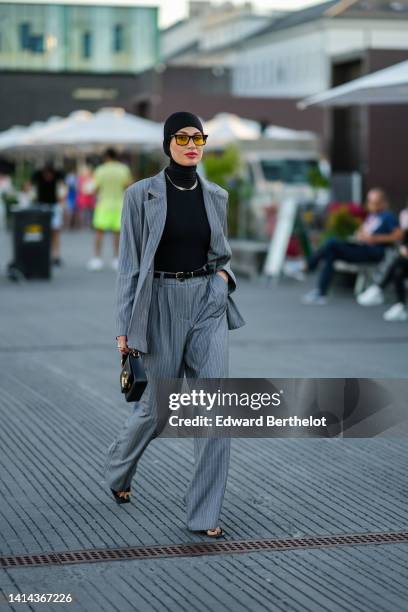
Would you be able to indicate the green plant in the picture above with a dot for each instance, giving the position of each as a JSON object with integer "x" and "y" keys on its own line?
{"x": 341, "y": 223}
{"x": 316, "y": 179}
{"x": 224, "y": 169}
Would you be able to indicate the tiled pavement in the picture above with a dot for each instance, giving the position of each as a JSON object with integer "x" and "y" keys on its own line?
{"x": 60, "y": 408}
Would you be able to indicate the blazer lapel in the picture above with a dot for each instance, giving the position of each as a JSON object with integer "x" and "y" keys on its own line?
{"x": 155, "y": 211}
{"x": 213, "y": 218}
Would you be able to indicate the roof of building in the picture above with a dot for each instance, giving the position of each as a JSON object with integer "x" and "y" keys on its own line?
{"x": 174, "y": 25}
{"x": 337, "y": 8}
{"x": 194, "y": 47}
{"x": 370, "y": 8}
{"x": 236, "y": 15}
{"x": 191, "y": 47}
{"x": 359, "y": 9}
{"x": 295, "y": 18}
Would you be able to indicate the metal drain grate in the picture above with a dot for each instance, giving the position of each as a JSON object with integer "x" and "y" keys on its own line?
{"x": 195, "y": 549}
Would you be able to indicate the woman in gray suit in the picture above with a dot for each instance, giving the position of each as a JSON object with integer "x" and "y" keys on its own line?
{"x": 174, "y": 305}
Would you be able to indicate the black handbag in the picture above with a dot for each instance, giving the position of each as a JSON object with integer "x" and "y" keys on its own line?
{"x": 133, "y": 379}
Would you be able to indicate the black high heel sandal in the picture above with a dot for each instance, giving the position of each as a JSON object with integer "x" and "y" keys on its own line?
{"x": 219, "y": 532}
{"x": 122, "y": 499}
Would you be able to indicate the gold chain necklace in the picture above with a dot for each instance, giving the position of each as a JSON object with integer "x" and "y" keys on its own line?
{"x": 183, "y": 188}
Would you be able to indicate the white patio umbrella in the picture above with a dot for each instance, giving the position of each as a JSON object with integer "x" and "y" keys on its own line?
{"x": 281, "y": 133}
{"x": 18, "y": 134}
{"x": 226, "y": 128}
{"x": 47, "y": 129}
{"x": 387, "y": 86}
{"x": 108, "y": 127}
{"x": 11, "y": 136}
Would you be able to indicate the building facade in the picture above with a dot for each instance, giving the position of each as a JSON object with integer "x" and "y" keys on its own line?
{"x": 293, "y": 56}
{"x": 211, "y": 33}
{"x": 327, "y": 45}
{"x": 75, "y": 38}
{"x": 57, "y": 58}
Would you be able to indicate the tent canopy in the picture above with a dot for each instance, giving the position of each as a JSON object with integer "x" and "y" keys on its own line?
{"x": 109, "y": 126}
{"x": 225, "y": 128}
{"x": 387, "y": 86}
{"x": 281, "y": 133}
{"x": 18, "y": 134}
{"x": 83, "y": 130}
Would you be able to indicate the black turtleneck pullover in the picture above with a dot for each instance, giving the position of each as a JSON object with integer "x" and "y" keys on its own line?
{"x": 186, "y": 235}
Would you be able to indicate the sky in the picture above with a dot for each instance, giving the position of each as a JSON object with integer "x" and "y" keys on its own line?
{"x": 173, "y": 10}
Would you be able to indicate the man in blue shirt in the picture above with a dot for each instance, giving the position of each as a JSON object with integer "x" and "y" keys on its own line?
{"x": 367, "y": 245}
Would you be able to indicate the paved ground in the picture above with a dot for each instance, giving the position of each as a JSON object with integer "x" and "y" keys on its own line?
{"x": 60, "y": 409}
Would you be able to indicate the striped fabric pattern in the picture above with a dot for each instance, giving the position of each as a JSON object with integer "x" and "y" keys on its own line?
{"x": 187, "y": 333}
{"x": 143, "y": 218}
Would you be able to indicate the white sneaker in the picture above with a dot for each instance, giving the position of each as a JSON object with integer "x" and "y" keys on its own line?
{"x": 372, "y": 296}
{"x": 115, "y": 263}
{"x": 315, "y": 298}
{"x": 397, "y": 312}
{"x": 96, "y": 263}
{"x": 295, "y": 269}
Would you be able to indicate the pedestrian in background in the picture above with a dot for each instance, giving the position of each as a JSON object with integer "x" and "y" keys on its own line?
{"x": 25, "y": 196}
{"x": 71, "y": 206}
{"x": 111, "y": 179}
{"x": 174, "y": 305}
{"x": 47, "y": 182}
{"x": 85, "y": 197}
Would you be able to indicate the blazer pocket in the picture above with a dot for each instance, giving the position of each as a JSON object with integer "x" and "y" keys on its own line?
{"x": 221, "y": 280}
{"x": 219, "y": 290}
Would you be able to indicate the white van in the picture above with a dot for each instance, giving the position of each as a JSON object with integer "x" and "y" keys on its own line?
{"x": 277, "y": 169}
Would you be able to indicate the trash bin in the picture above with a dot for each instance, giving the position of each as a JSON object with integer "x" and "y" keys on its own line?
{"x": 31, "y": 242}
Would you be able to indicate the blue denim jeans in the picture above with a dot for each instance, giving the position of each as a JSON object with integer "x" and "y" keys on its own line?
{"x": 333, "y": 249}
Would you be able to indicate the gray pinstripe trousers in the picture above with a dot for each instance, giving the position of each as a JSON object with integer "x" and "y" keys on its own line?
{"x": 187, "y": 334}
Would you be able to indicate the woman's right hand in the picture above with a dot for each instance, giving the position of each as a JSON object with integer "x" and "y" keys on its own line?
{"x": 122, "y": 345}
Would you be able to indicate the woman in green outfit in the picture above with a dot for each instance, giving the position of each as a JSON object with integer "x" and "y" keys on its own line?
{"x": 111, "y": 179}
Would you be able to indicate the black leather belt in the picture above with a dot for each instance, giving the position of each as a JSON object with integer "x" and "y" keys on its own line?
{"x": 181, "y": 276}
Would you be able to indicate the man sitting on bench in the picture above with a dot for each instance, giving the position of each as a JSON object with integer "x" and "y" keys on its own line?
{"x": 396, "y": 273}
{"x": 367, "y": 245}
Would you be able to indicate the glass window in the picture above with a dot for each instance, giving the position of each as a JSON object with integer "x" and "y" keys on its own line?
{"x": 24, "y": 35}
{"x": 272, "y": 170}
{"x": 86, "y": 44}
{"x": 291, "y": 171}
{"x": 37, "y": 43}
{"x": 118, "y": 41}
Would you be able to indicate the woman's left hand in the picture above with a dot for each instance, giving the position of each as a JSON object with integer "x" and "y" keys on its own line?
{"x": 224, "y": 275}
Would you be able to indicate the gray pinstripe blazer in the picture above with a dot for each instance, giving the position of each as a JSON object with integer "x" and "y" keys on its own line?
{"x": 143, "y": 218}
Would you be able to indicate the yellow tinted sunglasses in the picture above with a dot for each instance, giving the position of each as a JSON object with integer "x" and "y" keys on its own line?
{"x": 183, "y": 139}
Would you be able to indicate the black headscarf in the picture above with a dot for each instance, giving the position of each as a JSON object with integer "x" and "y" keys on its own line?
{"x": 184, "y": 176}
